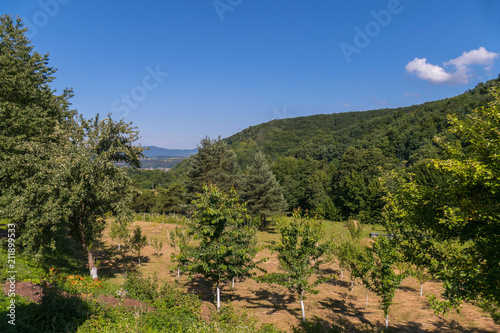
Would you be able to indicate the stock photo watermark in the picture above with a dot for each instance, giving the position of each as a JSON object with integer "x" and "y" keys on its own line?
{"x": 224, "y": 6}
{"x": 48, "y": 9}
{"x": 363, "y": 37}
{"x": 150, "y": 81}
{"x": 281, "y": 114}
{"x": 11, "y": 272}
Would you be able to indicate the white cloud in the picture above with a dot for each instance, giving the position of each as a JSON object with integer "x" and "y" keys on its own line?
{"x": 346, "y": 105}
{"x": 461, "y": 73}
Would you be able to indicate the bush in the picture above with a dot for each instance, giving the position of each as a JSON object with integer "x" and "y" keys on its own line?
{"x": 140, "y": 288}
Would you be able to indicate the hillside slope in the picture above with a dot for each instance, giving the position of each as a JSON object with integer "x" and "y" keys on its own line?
{"x": 401, "y": 133}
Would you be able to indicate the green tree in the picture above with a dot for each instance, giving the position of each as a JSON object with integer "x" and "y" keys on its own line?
{"x": 179, "y": 240}
{"x": 380, "y": 273}
{"x": 450, "y": 222}
{"x": 299, "y": 254}
{"x": 138, "y": 241}
{"x": 171, "y": 200}
{"x": 356, "y": 188}
{"x": 213, "y": 164}
{"x": 119, "y": 231}
{"x": 260, "y": 190}
{"x": 97, "y": 186}
{"x": 34, "y": 123}
{"x": 226, "y": 246}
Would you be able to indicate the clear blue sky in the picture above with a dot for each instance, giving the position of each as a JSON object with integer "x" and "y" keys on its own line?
{"x": 236, "y": 63}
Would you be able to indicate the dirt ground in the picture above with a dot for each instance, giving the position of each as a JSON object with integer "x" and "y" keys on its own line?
{"x": 334, "y": 304}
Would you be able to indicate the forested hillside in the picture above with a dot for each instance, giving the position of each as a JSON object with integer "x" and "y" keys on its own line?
{"x": 330, "y": 164}
{"x": 403, "y": 133}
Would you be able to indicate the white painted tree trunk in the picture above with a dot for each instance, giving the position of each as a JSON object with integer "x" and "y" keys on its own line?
{"x": 232, "y": 284}
{"x": 341, "y": 273}
{"x": 139, "y": 261}
{"x": 352, "y": 284}
{"x": 387, "y": 321}
{"x": 366, "y": 299}
{"x": 119, "y": 246}
{"x": 421, "y": 289}
{"x": 178, "y": 273}
{"x": 218, "y": 298}
{"x": 302, "y": 307}
{"x": 93, "y": 272}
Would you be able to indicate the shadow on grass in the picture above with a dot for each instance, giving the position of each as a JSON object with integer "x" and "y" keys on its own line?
{"x": 55, "y": 313}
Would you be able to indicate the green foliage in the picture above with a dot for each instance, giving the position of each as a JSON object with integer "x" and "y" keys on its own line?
{"x": 33, "y": 125}
{"x": 446, "y": 215}
{"x": 214, "y": 164}
{"x": 138, "y": 241}
{"x": 299, "y": 254}
{"x": 380, "y": 272}
{"x": 157, "y": 244}
{"x": 225, "y": 247}
{"x": 119, "y": 231}
{"x": 260, "y": 190}
{"x": 57, "y": 169}
{"x": 138, "y": 287}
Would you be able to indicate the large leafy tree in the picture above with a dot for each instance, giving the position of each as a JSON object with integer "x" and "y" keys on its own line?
{"x": 97, "y": 186}
{"x": 261, "y": 191}
{"x": 225, "y": 246}
{"x": 57, "y": 171}
{"x": 449, "y": 220}
{"x": 34, "y": 123}
{"x": 299, "y": 253}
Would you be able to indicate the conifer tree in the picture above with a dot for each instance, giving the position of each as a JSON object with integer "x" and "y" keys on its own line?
{"x": 213, "y": 164}
{"x": 261, "y": 191}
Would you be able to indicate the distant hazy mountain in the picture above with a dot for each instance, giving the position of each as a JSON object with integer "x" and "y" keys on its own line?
{"x": 157, "y": 151}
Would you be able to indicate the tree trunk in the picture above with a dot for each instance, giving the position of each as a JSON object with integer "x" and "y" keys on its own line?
{"x": 178, "y": 273}
{"x": 218, "y": 298}
{"x": 262, "y": 222}
{"x": 302, "y": 306}
{"x": 352, "y": 284}
{"x": 387, "y": 321}
{"x": 366, "y": 299}
{"x": 421, "y": 288}
{"x": 139, "y": 260}
{"x": 341, "y": 273}
{"x": 232, "y": 283}
{"x": 118, "y": 246}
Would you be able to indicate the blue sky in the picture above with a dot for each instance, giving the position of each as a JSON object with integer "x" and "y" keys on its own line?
{"x": 184, "y": 69}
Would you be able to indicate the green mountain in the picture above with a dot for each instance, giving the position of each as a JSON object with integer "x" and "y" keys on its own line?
{"x": 404, "y": 133}
{"x": 329, "y": 164}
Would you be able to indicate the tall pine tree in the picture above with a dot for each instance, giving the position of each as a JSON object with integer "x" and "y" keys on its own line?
{"x": 214, "y": 164}
{"x": 261, "y": 191}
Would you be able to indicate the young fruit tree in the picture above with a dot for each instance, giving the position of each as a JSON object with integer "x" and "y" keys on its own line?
{"x": 349, "y": 250}
{"x": 138, "y": 242}
{"x": 179, "y": 240}
{"x": 380, "y": 273}
{"x": 299, "y": 253}
{"x": 225, "y": 247}
{"x": 119, "y": 232}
